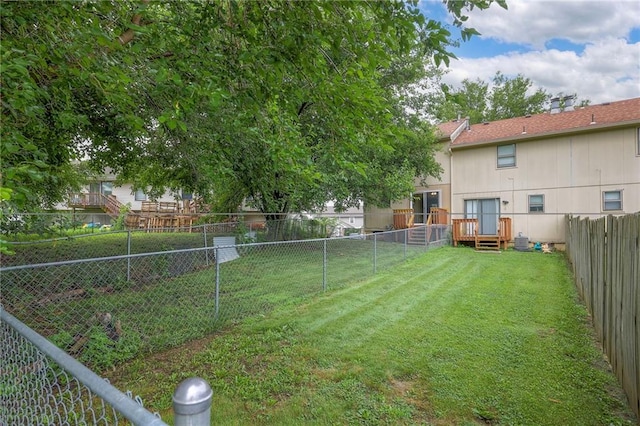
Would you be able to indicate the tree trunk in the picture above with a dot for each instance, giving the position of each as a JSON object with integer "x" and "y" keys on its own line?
{"x": 276, "y": 225}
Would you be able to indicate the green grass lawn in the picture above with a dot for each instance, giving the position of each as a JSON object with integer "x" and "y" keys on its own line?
{"x": 452, "y": 337}
{"x": 98, "y": 244}
{"x": 172, "y": 298}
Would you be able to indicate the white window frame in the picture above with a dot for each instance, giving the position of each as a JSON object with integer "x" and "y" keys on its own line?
{"x": 536, "y": 204}
{"x": 638, "y": 141}
{"x": 607, "y": 202}
{"x": 505, "y": 156}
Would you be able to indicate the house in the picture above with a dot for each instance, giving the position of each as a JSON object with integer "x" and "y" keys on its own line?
{"x": 346, "y": 221}
{"x": 102, "y": 199}
{"x": 532, "y": 170}
{"x": 349, "y": 220}
{"x": 104, "y": 185}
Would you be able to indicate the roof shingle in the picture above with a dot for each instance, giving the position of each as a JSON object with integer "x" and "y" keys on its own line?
{"x": 546, "y": 124}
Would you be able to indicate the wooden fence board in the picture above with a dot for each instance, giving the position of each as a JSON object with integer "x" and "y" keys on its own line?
{"x": 598, "y": 267}
{"x": 636, "y": 280}
{"x": 628, "y": 335}
{"x": 605, "y": 259}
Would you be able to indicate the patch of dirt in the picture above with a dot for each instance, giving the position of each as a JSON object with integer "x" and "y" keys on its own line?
{"x": 409, "y": 391}
{"x": 546, "y": 333}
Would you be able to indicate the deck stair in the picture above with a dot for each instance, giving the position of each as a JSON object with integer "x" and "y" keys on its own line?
{"x": 487, "y": 242}
{"x": 417, "y": 236}
{"x": 107, "y": 203}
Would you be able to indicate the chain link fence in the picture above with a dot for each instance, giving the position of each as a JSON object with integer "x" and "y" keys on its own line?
{"x": 106, "y": 310}
{"x": 127, "y": 242}
{"x": 41, "y": 385}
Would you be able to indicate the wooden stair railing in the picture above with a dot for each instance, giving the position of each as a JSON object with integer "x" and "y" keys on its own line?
{"x": 94, "y": 200}
{"x": 111, "y": 205}
{"x": 438, "y": 216}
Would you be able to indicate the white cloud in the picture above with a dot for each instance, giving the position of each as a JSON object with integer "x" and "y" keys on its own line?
{"x": 534, "y": 22}
{"x": 607, "y": 70}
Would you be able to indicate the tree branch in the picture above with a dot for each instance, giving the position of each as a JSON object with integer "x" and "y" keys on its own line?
{"x": 128, "y": 35}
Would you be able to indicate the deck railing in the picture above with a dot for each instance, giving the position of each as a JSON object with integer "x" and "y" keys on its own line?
{"x": 86, "y": 200}
{"x": 112, "y": 206}
{"x": 438, "y": 216}
{"x": 403, "y": 218}
{"x": 108, "y": 203}
{"x": 467, "y": 230}
{"x": 505, "y": 229}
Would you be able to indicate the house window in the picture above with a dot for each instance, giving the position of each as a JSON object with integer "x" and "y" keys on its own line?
{"x": 140, "y": 195}
{"x": 638, "y": 141}
{"x": 107, "y": 188}
{"x": 612, "y": 200}
{"x": 104, "y": 188}
{"x": 536, "y": 203}
{"x": 187, "y": 195}
{"x": 507, "y": 155}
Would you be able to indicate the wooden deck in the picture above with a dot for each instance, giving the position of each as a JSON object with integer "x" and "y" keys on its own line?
{"x": 467, "y": 230}
{"x": 163, "y": 216}
{"x": 90, "y": 200}
{"x": 404, "y": 218}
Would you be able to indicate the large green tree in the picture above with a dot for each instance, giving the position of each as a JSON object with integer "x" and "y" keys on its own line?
{"x": 64, "y": 84}
{"x": 287, "y": 104}
{"x": 480, "y": 101}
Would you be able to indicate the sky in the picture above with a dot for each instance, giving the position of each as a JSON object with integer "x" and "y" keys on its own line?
{"x": 586, "y": 47}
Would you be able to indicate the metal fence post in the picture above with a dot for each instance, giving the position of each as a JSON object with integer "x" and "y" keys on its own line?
{"x": 426, "y": 239}
{"x": 217, "y": 282}
{"x": 375, "y": 251}
{"x": 324, "y": 266}
{"x": 192, "y": 403}
{"x": 206, "y": 251}
{"x": 129, "y": 256}
{"x": 406, "y": 238}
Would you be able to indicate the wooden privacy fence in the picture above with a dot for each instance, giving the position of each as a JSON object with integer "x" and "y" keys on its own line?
{"x": 605, "y": 255}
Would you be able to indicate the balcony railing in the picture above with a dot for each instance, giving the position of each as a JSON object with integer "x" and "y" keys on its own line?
{"x": 86, "y": 200}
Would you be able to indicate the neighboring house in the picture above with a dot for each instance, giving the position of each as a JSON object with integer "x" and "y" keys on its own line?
{"x": 102, "y": 194}
{"x": 535, "y": 169}
{"x": 349, "y": 219}
{"x": 103, "y": 198}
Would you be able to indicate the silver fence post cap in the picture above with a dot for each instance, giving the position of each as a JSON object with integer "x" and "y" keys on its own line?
{"x": 192, "y": 396}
